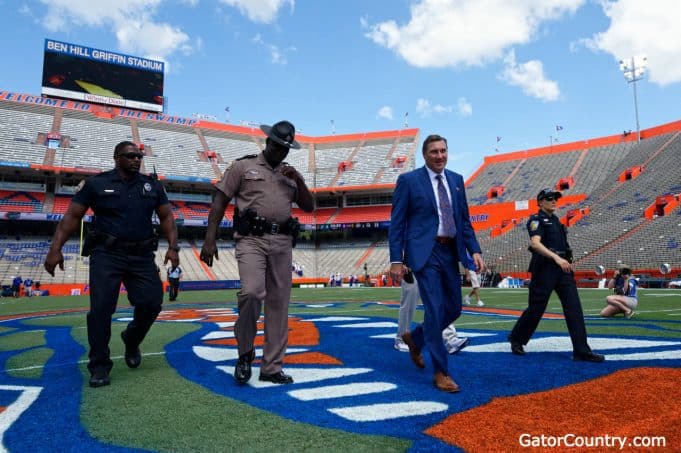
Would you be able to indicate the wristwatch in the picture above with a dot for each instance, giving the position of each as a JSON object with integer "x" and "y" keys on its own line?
{"x": 174, "y": 247}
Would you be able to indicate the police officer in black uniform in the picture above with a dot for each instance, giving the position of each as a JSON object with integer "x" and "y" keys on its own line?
{"x": 121, "y": 249}
{"x": 551, "y": 270}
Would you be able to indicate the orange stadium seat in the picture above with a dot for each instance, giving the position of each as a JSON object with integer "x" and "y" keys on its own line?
{"x": 21, "y": 201}
{"x": 363, "y": 214}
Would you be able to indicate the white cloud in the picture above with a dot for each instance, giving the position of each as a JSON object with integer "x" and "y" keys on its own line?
{"x": 424, "y": 108}
{"x": 151, "y": 38}
{"x": 464, "y": 107}
{"x": 277, "y": 55}
{"x": 132, "y": 21}
{"x": 530, "y": 77}
{"x": 648, "y": 28}
{"x": 385, "y": 112}
{"x": 461, "y": 33}
{"x": 263, "y": 11}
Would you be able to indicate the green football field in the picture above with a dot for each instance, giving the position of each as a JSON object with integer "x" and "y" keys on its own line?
{"x": 156, "y": 408}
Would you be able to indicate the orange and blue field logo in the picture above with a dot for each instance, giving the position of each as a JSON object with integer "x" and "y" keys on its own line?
{"x": 348, "y": 377}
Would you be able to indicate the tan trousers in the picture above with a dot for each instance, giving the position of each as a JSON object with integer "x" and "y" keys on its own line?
{"x": 265, "y": 272}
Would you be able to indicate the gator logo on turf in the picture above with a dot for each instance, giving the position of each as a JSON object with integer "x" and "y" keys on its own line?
{"x": 348, "y": 376}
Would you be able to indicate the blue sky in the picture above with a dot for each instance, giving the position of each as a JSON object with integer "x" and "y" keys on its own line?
{"x": 471, "y": 70}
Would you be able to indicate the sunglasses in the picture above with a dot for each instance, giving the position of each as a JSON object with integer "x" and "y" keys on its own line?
{"x": 549, "y": 198}
{"x": 131, "y": 156}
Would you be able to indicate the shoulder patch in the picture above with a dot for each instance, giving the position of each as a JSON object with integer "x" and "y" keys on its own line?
{"x": 248, "y": 156}
{"x": 534, "y": 225}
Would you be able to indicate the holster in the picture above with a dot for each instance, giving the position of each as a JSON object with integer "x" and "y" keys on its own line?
{"x": 88, "y": 244}
{"x": 293, "y": 226}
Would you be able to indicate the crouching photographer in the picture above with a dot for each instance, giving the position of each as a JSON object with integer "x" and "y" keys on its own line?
{"x": 624, "y": 300}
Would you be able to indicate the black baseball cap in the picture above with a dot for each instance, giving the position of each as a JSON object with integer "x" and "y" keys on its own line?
{"x": 547, "y": 193}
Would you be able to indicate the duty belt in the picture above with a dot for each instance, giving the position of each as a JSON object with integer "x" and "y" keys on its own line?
{"x": 276, "y": 228}
{"x": 131, "y": 247}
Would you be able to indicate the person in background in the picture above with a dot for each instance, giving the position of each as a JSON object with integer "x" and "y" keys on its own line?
{"x": 408, "y": 302}
{"x": 625, "y": 299}
{"x": 28, "y": 287}
{"x": 474, "y": 278}
{"x": 16, "y": 285}
{"x": 174, "y": 275}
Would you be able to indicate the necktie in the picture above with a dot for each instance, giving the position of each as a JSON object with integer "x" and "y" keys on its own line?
{"x": 448, "y": 224}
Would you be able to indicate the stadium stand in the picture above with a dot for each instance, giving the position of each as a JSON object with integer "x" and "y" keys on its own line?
{"x": 352, "y": 177}
{"x": 20, "y": 128}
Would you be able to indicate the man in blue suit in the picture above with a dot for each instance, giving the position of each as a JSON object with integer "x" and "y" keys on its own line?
{"x": 430, "y": 232}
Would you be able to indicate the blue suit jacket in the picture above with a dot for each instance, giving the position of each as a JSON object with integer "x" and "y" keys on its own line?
{"x": 414, "y": 219}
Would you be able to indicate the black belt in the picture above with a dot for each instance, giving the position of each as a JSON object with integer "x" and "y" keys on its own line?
{"x": 131, "y": 247}
{"x": 444, "y": 240}
{"x": 276, "y": 228}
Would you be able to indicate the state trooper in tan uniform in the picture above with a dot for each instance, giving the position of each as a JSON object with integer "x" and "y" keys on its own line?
{"x": 264, "y": 188}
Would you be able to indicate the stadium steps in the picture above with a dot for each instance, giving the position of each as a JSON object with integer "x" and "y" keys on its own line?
{"x": 378, "y": 176}
{"x": 351, "y": 158}
{"x": 645, "y": 164}
{"x": 206, "y": 270}
{"x": 202, "y": 139}
{"x": 311, "y": 166}
{"x": 354, "y": 152}
{"x": 578, "y": 164}
{"x": 362, "y": 259}
{"x": 513, "y": 173}
{"x": 135, "y": 131}
{"x": 391, "y": 152}
{"x": 612, "y": 243}
{"x": 333, "y": 216}
{"x": 389, "y": 157}
{"x": 50, "y": 155}
{"x": 56, "y": 122}
{"x": 48, "y": 203}
{"x": 660, "y": 149}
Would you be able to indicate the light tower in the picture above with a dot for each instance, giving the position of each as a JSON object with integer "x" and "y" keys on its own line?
{"x": 633, "y": 69}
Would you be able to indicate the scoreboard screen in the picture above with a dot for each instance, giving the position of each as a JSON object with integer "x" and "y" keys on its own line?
{"x": 83, "y": 73}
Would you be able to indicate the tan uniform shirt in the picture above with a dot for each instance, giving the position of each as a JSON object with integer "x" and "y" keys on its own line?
{"x": 254, "y": 184}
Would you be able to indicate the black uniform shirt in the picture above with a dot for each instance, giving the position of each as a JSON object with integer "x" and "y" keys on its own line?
{"x": 122, "y": 208}
{"x": 549, "y": 228}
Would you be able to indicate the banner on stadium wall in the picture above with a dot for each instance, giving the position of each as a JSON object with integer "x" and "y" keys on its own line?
{"x": 15, "y": 215}
{"x": 215, "y": 284}
{"x": 188, "y": 178}
{"x": 8, "y": 163}
{"x": 87, "y": 107}
{"x": 356, "y": 225}
{"x": 522, "y": 205}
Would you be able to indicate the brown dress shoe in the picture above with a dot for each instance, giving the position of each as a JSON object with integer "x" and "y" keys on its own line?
{"x": 445, "y": 383}
{"x": 414, "y": 353}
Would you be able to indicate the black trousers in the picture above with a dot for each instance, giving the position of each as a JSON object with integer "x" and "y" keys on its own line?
{"x": 174, "y": 284}
{"x": 546, "y": 278}
{"x": 108, "y": 269}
